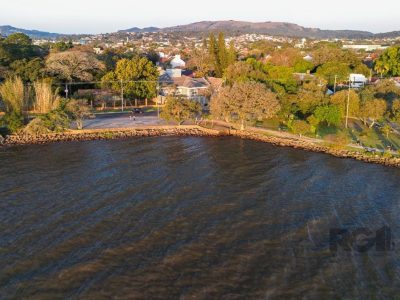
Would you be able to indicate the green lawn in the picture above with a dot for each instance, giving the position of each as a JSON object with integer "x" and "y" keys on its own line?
{"x": 368, "y": 137}
{"x": 357, "y": 132}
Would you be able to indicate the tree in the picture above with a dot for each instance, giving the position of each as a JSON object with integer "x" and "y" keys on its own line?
{"x": 329, "y": 70}
{"x": 73, "y": 65}
{"x": 222, "y": 56}
{"x": 180, "y": 109}
{"x": 314, "y": 122}
{"x": 386, "y": 89}
{"x": 373, "y": 109}
{"x": 303, "y": 66}
{"x": 286, "y": 57}
{"x": 362, "y": 69}
{"x": 245, "y": 101}
{"x": 332, "y": 53}
{"x": 18, "y": 39}
{"x": 17, "y": 48}
{"x": 79, "y": 111}
{"x": 386, "y": 130}
{"x": 213, "y": 51}
{"x": 245, "y": 71}
{"x": 389, "y": 62}
{"x": 340, "y": 99}
{"x": 281, "y": 79}
{"x": 309, "y": 97}
{"x": 61, "y": 46}
{"x": 396, "y": 110}
{"x": 200, "y": 61}
{"x": 232, "y": 54}
{"x": 28, "y": 70}
{"x": 138, "y": 76}
{"x": 329, "y": 114}
{"x": 300, "y": 127}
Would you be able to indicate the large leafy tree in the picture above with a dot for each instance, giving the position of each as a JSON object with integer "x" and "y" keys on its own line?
{"x": 73, "y": 65}
{"x": 310, "y": 96}
{"x": 18, "y": 39}
{"x": 329, "y": 114}
{"x": 281, "y": 79}
{"x": 389, "y": 62}
{"x": 245, "y": 101}
{"x": 243, "y": 71}
{"x": 180, "y": 109}
{"x": 373, "y": 109}
{"x": 28, "y": 70}
{"x": 138, "y": 77}
{"x": 329, "y": 70}
{"x": 18, "y": 46}
{"x": 340, "y": 99}
{"x": 200, "y": 61}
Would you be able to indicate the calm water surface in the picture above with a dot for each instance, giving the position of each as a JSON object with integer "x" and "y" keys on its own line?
{"x": 191, "y": 218}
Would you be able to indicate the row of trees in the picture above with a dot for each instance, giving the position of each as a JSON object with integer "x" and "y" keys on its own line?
{"x": 252, "y": 93}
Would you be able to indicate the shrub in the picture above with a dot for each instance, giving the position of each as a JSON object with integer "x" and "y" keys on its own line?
{"x": 56, "y": 120}
{"x": 339, "y": 140}
{"x": 14, "y": 121}
{"x": 36, "y": 127}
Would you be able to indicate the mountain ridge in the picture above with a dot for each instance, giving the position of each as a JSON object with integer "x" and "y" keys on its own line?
{"x": 37, "y": 34}
{"x": 230, "y": 27}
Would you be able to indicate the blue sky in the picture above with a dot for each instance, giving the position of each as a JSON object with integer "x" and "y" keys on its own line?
{"x": 96, "y": 16}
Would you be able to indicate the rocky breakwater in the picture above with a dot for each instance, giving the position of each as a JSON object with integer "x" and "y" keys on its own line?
{"x": 106, "y": 134}
{"x": 314, "y": 147}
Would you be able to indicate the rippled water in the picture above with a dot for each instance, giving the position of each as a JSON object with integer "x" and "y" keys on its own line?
{"x": 190, "y": 218}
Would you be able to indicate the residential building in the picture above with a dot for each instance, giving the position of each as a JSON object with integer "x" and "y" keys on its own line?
{"x": 174, "y": 83}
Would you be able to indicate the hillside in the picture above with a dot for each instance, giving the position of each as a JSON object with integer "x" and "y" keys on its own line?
{"x": 270, "y": 28}
{"x": 137, "y": 29}
{"x": 36, "y": 34}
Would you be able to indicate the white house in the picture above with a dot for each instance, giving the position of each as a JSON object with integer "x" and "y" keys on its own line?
{"x": 308, "y": 57}
{"x": 357, "y": 80}
{"x": 174, "y": 83}
{"x": 177, "y": 62}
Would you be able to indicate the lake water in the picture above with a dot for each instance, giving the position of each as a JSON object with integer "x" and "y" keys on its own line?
{"x": 193, "y": 218}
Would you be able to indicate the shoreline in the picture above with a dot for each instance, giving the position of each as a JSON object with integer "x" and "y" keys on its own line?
{"x": 192, "y": 130}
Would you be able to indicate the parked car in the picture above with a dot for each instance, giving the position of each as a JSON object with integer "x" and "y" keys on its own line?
{"x": 137, "y": 110}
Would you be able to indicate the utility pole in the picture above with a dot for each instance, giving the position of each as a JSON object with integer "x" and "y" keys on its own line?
{"x": 122, "y": 95}
{"x": 334, "y": 86}
{"x": 348, "y": 105}
{"x": 158, "y": 103}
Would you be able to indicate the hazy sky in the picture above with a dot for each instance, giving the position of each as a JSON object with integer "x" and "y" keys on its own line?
{"x": 96, "y": 16}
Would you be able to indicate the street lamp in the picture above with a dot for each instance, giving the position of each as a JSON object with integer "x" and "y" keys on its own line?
{"x": 66, "y": 91}
{"x": 158, "y": 104}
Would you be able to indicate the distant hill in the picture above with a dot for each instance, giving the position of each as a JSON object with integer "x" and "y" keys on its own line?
{"x": 229, "y": 27}
{"x": 269, "y": 28}
{"x": 388, "y": 35}
{"x": 138, "y": 30}
{"x": 35, "y": 34}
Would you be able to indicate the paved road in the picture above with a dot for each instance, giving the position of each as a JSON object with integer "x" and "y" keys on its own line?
{"x": 123, "y": 120}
